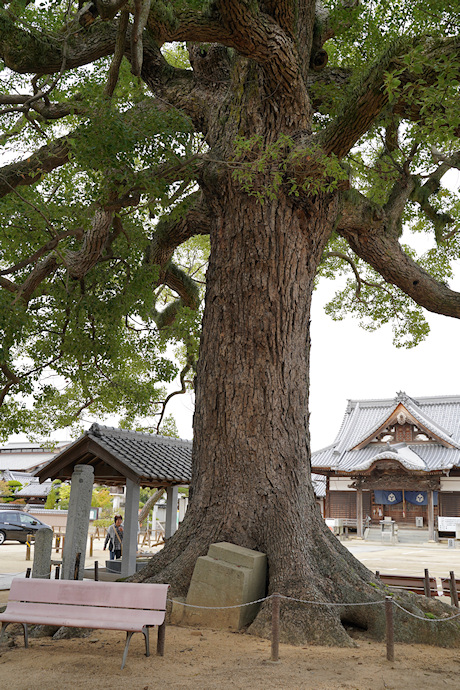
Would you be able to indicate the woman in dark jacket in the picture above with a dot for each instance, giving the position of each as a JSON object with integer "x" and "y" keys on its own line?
{"x": 114, "y": 538}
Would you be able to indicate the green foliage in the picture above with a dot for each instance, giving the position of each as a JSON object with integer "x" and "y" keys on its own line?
{"x": 264, "y": 170}
{"x": 169, "y": 427}
{"x": 63, "y": 491}
{"x": 51, "y": 499}
{"x": 7, "y": 492}
{"x": 101, "y": 498}
{"x": 14, "y": 485}
{"x": 94, "y": 345}
{"x": 59, "y": 497}
{"x": 102, "y": 522}
{"x": 374, "y": 302}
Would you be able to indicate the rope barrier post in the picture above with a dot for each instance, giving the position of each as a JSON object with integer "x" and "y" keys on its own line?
{"x": 29, "y": 539}
{"x": 389, "y": 628}
{"x": 427, "y": 583}
{"x": 453, "y": 590}
{"x": 96, "y": 570}
{"x": 28, "y": 572}
{"x": 57, "y": 573}
{"x": 275, "y": 627}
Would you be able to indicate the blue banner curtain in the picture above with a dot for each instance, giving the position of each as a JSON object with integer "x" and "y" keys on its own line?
{"x": 388, "y": 498}
{"x": 417, "y": 498}
{"x": 420, "y": 498}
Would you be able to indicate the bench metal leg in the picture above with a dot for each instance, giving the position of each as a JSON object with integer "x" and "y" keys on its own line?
{"x": 145, "y": 631}
{"x": 161, "y": 639}
{"x": 125, "y": 653}
{"x": 4, "y": 627}
{"x": 26, "y": 635}
{"x": 26, "y": 632}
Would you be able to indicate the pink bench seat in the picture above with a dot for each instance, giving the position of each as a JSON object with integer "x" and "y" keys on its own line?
{"x": 85, "y": 604}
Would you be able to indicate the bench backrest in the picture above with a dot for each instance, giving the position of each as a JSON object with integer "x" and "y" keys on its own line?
{"x": 127, "y": 595}
{"x": 410, "y": 582}
{"x": 446, "y": 584}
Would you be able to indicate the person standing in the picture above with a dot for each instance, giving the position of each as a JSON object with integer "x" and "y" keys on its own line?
{"x": 114, "y": 538}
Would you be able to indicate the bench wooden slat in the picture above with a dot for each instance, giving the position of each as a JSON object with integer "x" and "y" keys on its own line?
{"x": 81, "y": 616}
{"x": 446, "y": 586}
{"x": 412, "y": 583}
{"x": 88, "y": 593}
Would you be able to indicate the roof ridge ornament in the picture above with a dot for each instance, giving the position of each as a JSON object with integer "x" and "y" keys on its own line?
{"x": 95, "y": 429}
{"x": 401, "y": 396}
{"x": 401, "y": 418}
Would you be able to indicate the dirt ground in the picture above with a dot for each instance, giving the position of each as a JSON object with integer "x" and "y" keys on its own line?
{"x": 216, "y": 660}
{"x": 211, "y": 660}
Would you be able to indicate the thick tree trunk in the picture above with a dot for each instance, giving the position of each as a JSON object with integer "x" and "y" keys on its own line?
{"x": 251, "y": 457}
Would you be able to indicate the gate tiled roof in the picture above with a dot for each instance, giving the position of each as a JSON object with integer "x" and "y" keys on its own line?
{"x": 117, "y": 454}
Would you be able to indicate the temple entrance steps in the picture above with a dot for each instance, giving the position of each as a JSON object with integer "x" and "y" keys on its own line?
{"x": 405, "y": 535}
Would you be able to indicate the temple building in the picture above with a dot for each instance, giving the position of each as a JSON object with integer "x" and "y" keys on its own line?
{"x": 395, "y": 458}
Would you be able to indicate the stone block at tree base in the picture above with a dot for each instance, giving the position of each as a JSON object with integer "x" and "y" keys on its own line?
{"x": 229, "y": 575}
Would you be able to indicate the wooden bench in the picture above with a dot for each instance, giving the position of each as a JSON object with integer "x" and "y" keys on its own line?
{"x": 452, "y": 586}
{"x": 87, "y": 604}
{"x": 419, "y": 585}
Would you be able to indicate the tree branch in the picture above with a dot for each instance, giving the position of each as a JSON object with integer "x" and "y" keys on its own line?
{"x": 191, "y": 217}
{"x": 141, "y": 13}
{"x": 363, "y": 225}
{"x": 349, "y": 260}
{"x": 26, "y": 52}
{"x": 118, "y": 54}
{"x": 367, "y": 101}
{"x": 28, "y": 171}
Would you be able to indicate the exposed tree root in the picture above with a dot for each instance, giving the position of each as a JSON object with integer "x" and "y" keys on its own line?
{"x": 328, "y": 575}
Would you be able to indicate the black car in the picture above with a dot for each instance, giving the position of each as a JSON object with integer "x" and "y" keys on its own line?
{"x": 16, "y": 525}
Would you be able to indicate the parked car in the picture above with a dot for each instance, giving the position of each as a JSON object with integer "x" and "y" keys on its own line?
{"x": 16, "y": 525}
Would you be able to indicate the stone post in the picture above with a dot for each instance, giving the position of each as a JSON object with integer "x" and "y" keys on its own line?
{"x": 172, "y": 493}
{"x": 130, "y": 527}
{"x": 76, "y": 536}
{"x": 42, "y": 552}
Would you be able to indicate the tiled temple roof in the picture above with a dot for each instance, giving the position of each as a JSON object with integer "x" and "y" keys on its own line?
{"x": 363, "y": 418}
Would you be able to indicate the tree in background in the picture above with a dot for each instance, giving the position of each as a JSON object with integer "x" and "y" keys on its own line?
{"x": 8, "y": 489}
{"x": 102, "y": 499}
{"x": 301, "y": 138}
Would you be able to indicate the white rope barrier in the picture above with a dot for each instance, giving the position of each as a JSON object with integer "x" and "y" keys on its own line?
{"x": 333, "y": 603}
{"x": 424, "y": 618}
{"x": 281, "y": 596}
{"x": 314, "y": 603}
{"x": 218, "y": 608}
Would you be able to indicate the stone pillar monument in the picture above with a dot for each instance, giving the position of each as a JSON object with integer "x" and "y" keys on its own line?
{"x": 81, "y": 489}
{"x": 42, "y": 552}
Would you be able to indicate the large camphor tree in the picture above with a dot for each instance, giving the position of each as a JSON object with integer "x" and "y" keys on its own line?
{"x": 301, "y": 138}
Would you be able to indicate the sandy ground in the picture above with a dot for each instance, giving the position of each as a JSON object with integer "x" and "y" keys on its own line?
{"x": 209, "y": 660}
{"x": 214, "y": 660}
